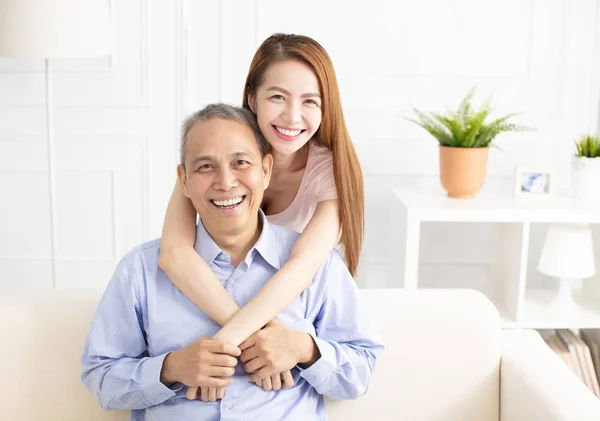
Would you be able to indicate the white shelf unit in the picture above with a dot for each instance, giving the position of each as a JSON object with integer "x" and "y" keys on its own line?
{"x": 511, "y": 219}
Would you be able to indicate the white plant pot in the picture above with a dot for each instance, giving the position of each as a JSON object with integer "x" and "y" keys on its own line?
{"x": 585, "y": 178}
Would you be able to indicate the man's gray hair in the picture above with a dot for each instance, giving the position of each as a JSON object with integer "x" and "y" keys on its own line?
{"x": 227, "y": 112}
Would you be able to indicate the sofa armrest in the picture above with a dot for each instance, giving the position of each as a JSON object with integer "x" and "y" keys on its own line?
{"x": 535, "y": 384}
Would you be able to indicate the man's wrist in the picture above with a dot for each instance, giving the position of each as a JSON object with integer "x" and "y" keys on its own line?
{"x": 309, "y": 350}
{"x": 167, "y": 376}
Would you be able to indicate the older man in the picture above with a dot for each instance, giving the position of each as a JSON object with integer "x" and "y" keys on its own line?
{"x": 148, "y": 342}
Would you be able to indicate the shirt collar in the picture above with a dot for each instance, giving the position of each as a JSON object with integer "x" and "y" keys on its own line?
{"x": 267, "y": 245}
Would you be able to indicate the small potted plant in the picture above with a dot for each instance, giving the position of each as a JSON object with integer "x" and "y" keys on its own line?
{"x": 585, "y": 173}
{"x": 464, "y": 138}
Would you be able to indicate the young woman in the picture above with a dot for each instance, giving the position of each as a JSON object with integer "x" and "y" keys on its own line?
{"x": 316, "y": 188}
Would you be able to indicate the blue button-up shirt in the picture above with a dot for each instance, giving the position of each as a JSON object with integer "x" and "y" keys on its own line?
{"x": 143, "y": 316}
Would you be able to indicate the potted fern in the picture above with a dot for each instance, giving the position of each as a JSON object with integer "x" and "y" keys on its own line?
{"x": 586, "y": 169}
{"x": 464, "y": 138}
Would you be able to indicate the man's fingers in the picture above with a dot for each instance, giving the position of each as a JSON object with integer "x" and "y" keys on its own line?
{"x": 220, "y": 392}
{"x": 276, "y": 381}
{"x": 215, "y": 371}
{"x": 254, "y": 365}
{"x": 191, "y": 393}
{"x": 267, "y": 385}
{"x": 249, "y": 354}
{"x": 288, "y": 379}
{"x": 205, "y": 382}
{"x": 217, "y": 382}
{"x": 264, "y": 373}
{"x": 248, "y": 343}
{"x": 223, "y": 360}
{"x": 219, "y": 347}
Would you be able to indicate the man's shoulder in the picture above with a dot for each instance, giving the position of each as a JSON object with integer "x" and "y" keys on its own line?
{"x": 283, "y": 240}
{"x": 149, "y": 250}
{"x": 284, "y": 235}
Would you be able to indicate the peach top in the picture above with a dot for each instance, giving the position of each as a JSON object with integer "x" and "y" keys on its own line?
{"x": 317, "y": 184}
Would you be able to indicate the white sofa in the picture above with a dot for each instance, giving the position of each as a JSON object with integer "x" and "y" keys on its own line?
{"x": 446, "y": 358}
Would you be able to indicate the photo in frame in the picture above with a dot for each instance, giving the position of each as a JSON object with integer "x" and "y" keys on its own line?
{"x": 534, "y": 181}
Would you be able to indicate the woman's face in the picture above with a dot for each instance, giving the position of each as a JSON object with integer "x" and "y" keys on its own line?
{"x": 288, "y": 105}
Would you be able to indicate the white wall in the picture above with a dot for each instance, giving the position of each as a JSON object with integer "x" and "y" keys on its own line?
{"x": 118, "y": 120}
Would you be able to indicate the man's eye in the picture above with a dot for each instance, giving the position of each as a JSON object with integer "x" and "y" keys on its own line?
{"x": 241, "y": 163}
{"x": 204, "y": 167}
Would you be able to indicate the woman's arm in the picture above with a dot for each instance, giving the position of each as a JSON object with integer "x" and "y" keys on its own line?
{"x": 310, "y": 251}
{"x": 185, "y": 268}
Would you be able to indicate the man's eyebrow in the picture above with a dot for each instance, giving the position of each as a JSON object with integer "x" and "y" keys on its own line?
{"x": 201, "y": 158}
{"x": 307, "y": 95}
{"x": 243, "y": 153}
{"x": 238, "y": 154}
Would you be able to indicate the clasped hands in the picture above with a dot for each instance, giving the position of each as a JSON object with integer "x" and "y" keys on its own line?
{"x": 268, "y": 356}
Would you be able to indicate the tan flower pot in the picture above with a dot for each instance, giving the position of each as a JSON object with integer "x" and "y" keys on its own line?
{"x": 463, "y": 170}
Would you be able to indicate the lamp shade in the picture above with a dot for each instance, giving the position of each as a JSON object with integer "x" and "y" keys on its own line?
{"x": 568, "y": 252}
{"x": 54, "y": 28}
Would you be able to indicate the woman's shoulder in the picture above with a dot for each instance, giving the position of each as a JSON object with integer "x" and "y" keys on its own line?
{"x": 319, "y": 154}
{"x": 320, "y": 161}
{"x": 320, "y": 178}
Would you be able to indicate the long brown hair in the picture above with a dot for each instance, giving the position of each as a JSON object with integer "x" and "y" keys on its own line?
{"x": 332, "y": 133}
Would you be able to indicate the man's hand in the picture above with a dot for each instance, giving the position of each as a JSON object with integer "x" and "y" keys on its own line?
{"x": 276, "y": 349}
{"x": 206, "y": 362}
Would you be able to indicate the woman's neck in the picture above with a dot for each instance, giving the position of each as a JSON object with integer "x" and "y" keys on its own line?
{"x": 283, "y": 164}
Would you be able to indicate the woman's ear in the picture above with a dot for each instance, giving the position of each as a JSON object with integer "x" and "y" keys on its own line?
{"x": 251, "y": 103}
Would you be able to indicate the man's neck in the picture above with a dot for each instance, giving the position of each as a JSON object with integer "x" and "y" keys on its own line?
{"x": 237, "y": 245}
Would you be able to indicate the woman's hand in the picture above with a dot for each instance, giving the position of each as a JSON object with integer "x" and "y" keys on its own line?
{"x": 283, "y": 380}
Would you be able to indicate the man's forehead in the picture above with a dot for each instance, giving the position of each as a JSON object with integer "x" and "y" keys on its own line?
{"x": 221, "y": 138}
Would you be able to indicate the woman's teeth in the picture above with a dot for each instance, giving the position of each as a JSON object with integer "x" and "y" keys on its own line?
{"x": 229, "y": 202}
{"x": 291, "y": 133}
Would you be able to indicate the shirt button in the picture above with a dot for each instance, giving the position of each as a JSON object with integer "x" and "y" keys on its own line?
{"x": 229, "y": 406}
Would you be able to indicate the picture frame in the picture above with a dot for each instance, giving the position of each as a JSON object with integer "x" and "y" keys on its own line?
{"x": 533, "y": 181}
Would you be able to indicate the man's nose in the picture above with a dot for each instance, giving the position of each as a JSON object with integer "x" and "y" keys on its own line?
{"x": 226, "y": 180}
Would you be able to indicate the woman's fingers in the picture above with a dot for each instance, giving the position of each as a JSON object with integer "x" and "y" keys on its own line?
{"x": 267, "y": 385}
{"x": 204, "y": 394}
{"x": 276, "y": 381}
{"x": 192, "y": 393}
{"x": 288, "y": 379}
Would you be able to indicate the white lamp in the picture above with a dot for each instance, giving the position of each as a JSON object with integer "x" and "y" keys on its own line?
{"x": 567, "y": 254}
{"x": 54, "y": 29}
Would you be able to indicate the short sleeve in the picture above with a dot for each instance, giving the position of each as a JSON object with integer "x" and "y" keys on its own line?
{"x": 324, "y": 180}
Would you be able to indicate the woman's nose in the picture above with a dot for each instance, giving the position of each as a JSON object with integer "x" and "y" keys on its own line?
{"x": 293, "y": 113}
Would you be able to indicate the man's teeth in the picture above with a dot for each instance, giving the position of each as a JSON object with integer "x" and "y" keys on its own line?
{"x": 286, "y": 132}
{"x": 229, "y": 202}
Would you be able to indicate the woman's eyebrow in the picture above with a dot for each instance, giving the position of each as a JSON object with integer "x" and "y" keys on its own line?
{"x": 307, "y": 95}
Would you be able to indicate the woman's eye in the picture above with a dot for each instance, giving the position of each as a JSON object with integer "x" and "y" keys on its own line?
{"x": 277, "y": 97}
{"x": 312, "y": 102}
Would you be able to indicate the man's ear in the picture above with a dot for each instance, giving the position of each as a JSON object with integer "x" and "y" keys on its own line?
{"x": 267, "y": 165}
{"x": 182, "y": 179}
{"x": 251, "y": 103}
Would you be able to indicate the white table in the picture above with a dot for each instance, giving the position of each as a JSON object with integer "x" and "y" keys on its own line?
{"x": 511, "y": 219}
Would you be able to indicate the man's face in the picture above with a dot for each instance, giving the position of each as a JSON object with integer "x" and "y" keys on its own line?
{"x": 225, "y": 176}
